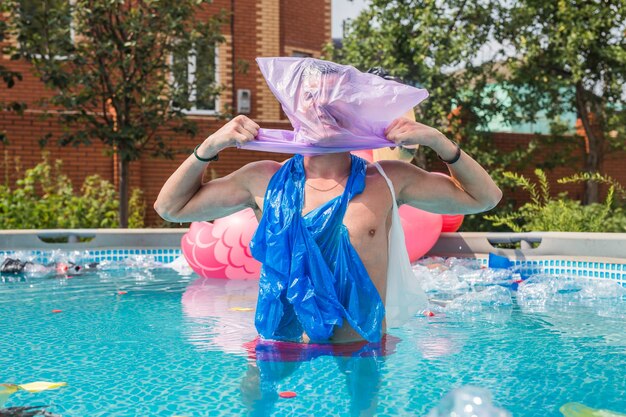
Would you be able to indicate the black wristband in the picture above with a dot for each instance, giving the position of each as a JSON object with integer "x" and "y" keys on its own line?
{"x": 199, "y": 158}
{"x": 456, "y": 157}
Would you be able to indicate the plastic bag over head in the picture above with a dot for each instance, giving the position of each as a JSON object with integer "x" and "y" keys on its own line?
{"x": 332, "y": 107}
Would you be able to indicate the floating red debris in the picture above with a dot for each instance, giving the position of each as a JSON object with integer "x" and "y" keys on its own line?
{"x": 286, "y": 394}
{"x": 122, "y": 292}
{"x": 57, "y": 311}
{"x": 429, "y": 313}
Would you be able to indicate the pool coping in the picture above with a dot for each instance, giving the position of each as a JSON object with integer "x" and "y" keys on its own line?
{"x": 534, "y": 245}
{"x": 100, "y": 239}
{"x": 592, "y": 255}
{"x": 585, "y": 245}
{"x": 450, "y": 244}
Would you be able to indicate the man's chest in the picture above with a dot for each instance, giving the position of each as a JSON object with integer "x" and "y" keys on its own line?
{"x": 367, "y": 216}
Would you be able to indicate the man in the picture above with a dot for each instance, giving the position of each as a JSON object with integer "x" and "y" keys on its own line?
{"x": 298, "y": 306}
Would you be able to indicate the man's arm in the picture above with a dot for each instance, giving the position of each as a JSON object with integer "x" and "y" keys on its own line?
{"x": 470, "y": 190}
{"x": 184, "y": 198}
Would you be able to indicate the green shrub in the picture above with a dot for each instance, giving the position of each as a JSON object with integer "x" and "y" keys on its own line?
{"x": 136, "y": 209}
{"x": 544, "y": 213}
{"x": 44, "y": 198}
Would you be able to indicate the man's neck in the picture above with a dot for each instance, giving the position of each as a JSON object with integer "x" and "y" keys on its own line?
{"x": 328, "y": 166}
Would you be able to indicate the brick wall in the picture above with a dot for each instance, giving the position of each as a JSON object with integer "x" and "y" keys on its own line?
{"x": 508, "y": 142}
{"x": 268, "y": 23}
{"x": 260, "y": 28}
{"x": 305, "y": 24}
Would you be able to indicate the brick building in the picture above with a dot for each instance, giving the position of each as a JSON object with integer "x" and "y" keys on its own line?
{"x": 260, "y": 28}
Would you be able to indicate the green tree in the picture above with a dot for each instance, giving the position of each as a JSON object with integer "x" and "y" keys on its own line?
{"x": 569, "y": 55}
{"x": 436, "y": 45}
{"x": 120, "y": 70}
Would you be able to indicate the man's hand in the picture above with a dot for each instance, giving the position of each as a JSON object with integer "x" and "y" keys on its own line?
{"x": 237, "y": 132}
{"x": 407, "y": 133}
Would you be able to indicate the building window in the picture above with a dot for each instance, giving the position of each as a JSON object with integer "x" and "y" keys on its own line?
{"x": 195, "y": 74}
{"x": 46, "y": 28}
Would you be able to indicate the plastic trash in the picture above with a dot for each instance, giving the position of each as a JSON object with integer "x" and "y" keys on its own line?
{"x": 468, "y": 401}
{"x": 312, "y": 278}
{"x": 581, "y": 410}
{"x": 332, "y": 107}
{"x": 489, "y": 298}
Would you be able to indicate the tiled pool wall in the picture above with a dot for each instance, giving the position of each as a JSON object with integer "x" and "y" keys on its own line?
{"x": 586, "y": 269}
{"x": 45, "y": 256}
{"x": 572, "y": 267}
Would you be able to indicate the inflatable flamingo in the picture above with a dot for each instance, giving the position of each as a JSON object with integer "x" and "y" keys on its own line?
{"x": 220, "y": 249}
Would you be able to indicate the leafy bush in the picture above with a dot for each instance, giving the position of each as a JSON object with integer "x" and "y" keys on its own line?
{"x": 544, "y": 213}
{"x": 44, "y": 198}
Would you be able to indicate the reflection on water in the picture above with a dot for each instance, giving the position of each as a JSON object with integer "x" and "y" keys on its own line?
{"x": 220, "y": 317}
{"x": 220, "y": 313}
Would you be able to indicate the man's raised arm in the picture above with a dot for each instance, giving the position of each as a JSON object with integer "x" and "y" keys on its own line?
{"x": 184, "y": 198}
{"x": 470, "y": 190}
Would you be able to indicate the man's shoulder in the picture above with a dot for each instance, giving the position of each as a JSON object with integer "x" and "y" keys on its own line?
{"x": 260, "y": 169}
{"x": 393, "y": 168}
{"x": 402, "y": 173}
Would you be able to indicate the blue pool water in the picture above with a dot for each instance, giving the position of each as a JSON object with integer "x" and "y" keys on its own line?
{"x": 172, "y": 345}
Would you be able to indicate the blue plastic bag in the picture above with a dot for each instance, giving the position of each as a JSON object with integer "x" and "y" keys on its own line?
{"x": 312, "y": 278}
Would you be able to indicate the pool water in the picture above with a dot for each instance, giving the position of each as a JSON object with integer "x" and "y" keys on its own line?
{"x": 153, "y": 342}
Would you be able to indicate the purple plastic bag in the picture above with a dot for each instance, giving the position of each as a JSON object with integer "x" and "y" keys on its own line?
{"x": 332, "y": 107}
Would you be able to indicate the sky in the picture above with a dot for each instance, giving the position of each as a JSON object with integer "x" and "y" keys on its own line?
{"x": 342, "y": 10}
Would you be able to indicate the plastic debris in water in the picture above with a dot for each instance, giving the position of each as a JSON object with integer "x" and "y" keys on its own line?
{"x": 31, "y": 411}
{"x": 547, "y": 288}
{"x": 491, "y": 297}
{"x": 287, "y": 394}
{"x": 39, "y": 386}
{"x": 6, "y": 390}
{"x": 581, "y": 410}
{"x": 468, "y": 401}
{"x": 241, "y": 309}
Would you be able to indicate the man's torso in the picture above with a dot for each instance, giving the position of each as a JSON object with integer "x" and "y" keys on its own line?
{"x": 368, "y": 220}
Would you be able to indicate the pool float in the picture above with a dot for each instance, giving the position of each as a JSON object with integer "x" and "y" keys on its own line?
{"x": 220, "y": 249}
{"x": 6, "y": 390}
{"x": 421, "y": 230}
{"x": 450, "y": 222}
{"x": 581, "y": 410}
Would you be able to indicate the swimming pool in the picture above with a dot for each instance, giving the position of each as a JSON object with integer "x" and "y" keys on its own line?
{"x": 137, "y": 338}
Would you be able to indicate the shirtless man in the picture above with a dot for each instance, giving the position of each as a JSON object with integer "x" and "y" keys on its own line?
{"x": 184, "y": 198}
